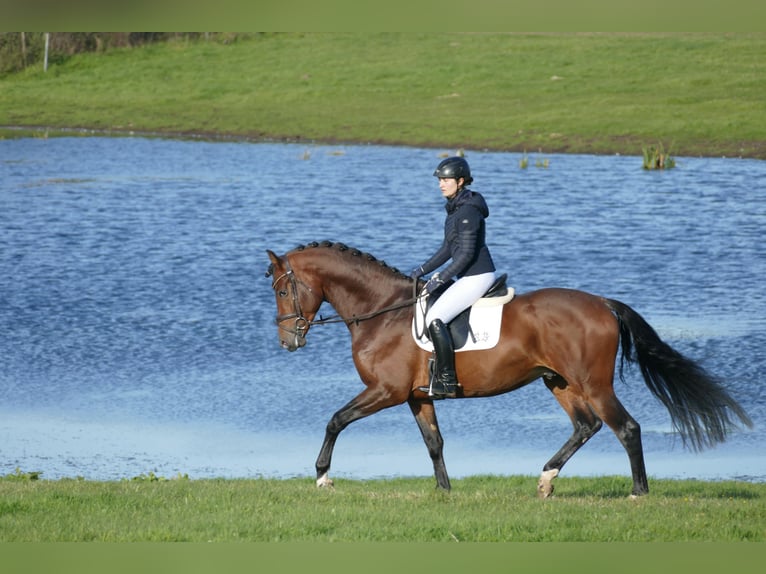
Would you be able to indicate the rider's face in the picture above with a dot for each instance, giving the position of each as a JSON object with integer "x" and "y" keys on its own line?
{"x": 449, "y": 186}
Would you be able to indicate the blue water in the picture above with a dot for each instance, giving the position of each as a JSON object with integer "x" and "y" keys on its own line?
{"x": 137, "y": 324}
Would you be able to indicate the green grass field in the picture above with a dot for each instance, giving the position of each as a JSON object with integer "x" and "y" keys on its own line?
{"x": 698, "y": 94}
{"x": 478, "y": 509}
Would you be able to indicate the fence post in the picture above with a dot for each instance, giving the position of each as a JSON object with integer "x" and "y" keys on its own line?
{"x": 47, "y": 38}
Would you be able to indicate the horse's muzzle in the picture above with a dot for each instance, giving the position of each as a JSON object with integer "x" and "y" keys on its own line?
{"x": 296, "y": 343}
{"x": 295, "y": 338}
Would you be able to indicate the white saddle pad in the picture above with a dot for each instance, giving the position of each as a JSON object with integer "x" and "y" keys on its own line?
{"x": 485, "y": 318}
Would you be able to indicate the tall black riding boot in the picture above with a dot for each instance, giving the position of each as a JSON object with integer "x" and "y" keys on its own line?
{"x": 444, "y": 380}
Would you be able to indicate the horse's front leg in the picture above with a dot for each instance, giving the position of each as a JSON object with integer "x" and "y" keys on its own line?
{"x": 338, "y": 422}
{"x": 425, "y": 415}
{"x": 366, "y": 403}
{"x": 324, "y": 459}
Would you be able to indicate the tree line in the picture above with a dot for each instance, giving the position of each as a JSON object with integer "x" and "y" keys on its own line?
{"x": 20, "y": 50}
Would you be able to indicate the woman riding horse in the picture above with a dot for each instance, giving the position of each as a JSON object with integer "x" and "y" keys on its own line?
{"x": 567, "y": 338}
{"x": 464, "y": 243}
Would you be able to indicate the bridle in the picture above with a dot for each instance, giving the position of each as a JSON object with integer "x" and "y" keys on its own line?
{"x": 302, "y": 323}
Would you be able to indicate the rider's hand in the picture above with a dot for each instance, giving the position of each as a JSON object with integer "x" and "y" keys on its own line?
{"x": 434, "y": 283}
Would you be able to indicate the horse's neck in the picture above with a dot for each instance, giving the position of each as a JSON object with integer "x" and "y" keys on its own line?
{"x": 356, "y": 295}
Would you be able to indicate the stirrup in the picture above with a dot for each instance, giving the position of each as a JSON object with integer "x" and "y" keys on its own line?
{"x": 442, "y": 390}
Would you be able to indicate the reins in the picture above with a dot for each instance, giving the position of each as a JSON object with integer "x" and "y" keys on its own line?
{"x": 302, "y": 323}
{"x": 356, "y": 319}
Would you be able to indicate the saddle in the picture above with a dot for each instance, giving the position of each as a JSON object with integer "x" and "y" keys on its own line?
{"x": 477, "y": 327}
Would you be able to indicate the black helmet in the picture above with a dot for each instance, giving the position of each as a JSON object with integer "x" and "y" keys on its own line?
{"x": 454, "y": 167}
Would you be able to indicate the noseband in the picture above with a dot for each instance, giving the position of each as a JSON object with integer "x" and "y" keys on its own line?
{"x": 301, "y": 324}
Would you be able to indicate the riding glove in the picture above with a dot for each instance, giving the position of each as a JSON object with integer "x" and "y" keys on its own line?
{"x": 434, "y": 283}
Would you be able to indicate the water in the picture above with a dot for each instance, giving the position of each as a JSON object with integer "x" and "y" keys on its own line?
{"x": 137, "y": 331}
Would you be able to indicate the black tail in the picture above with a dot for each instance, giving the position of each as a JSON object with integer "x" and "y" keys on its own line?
{"x": 700, "y": 407}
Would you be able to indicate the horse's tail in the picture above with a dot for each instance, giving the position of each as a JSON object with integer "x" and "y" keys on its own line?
{"x": 700, "y": 407}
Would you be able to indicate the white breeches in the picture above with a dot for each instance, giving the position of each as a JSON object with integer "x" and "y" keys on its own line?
{"x": 463, "y": 293}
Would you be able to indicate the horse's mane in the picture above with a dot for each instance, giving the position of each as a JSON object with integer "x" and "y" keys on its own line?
{"x": 351, "y": 252}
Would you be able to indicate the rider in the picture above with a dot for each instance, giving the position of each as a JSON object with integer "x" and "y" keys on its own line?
{"x": 464, "y": 243}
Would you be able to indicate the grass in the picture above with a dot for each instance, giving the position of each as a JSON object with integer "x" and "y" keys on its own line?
{"x": 593, "y": 93}
{"x": 655, "y": 157}
{"x": 479, "y": 509}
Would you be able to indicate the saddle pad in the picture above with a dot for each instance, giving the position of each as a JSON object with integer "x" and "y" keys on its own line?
{"x": 485, "y": 319}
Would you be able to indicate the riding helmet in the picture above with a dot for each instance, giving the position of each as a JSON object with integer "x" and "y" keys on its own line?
{"x": 455, "y": 168}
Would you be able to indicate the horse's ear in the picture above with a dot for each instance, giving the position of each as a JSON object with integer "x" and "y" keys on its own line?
{"x": 273, "y": 257}
{"x": 275, "y": 262}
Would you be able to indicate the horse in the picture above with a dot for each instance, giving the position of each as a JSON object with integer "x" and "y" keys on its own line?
{"x": 570, "y": 339}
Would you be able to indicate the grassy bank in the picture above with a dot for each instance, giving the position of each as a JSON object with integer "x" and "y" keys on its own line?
{"x": 698, "y": 94}
{"x": 479, "y": 509}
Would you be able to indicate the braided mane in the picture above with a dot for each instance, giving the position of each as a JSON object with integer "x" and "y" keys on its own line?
{"x": 351, "y": 251}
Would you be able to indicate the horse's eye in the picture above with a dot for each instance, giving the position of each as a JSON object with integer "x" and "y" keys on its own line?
{"x": 282, "y": 293}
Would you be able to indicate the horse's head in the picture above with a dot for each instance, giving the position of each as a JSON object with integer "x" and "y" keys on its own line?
{"x": 297, "y": 302}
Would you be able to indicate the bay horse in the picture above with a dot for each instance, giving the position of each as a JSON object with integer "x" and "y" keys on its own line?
{"x": 568, "y": 338}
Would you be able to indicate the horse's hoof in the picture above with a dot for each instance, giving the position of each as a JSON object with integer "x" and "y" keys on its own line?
{"x": 545, "y": 484}
{"x": 324, "y": 482}
{"x": 544, "y": 491}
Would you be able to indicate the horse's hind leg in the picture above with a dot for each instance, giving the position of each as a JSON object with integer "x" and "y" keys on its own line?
{"x": 425, "y": 415}
{"x": 628, "y": 432}
{"x": 585, "y": 424}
